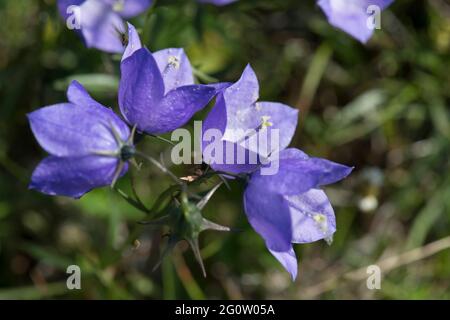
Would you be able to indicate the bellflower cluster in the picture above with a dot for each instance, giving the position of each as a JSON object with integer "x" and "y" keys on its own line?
{"x": 90, "y": 146}
{"x": 288, "y": 206}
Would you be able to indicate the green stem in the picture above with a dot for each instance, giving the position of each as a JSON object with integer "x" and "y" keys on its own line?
{"x": 160, "y": 167}
{"x": 132, "y": 202}
{"x": 162, "y": 139}
{"x": 135, "y": 194}
{"x": 162, "y": 198}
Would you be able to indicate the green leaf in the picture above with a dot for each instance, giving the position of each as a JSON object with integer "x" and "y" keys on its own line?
{"x": 98, "y": 84}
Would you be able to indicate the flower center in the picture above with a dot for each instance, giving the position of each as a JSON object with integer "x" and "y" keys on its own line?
{"x": 127, "y": 152}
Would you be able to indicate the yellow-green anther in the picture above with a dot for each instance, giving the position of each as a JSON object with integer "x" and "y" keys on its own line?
{"x": 119, "y": 5}
{"x": 265, "y": 122}
{"x": 321, "y": 220}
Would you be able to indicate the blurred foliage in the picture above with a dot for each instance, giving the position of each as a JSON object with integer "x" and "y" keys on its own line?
{"x": 383, "y": 108}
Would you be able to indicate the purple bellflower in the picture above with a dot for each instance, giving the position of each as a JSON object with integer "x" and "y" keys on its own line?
{"x": 157, "y": 91}
{"x": 285, "y": 207}
{"x": 289, "y": 207}
{"x": 100, "y": 22}
{"x": 89, "y": 145}
{"x": 352, "y": 16}
{"x": 238, "y": 110}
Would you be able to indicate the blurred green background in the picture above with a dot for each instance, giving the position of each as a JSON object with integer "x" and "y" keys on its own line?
{"x": 383, "y": 108}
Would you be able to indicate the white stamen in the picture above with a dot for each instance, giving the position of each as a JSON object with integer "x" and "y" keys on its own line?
{"x": 174, "y": 62}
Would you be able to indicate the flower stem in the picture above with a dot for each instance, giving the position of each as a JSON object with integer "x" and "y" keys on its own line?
{"x": 132, "y": 202}
{"x": 162, "y": 139}
{"x": 160, "y": 167}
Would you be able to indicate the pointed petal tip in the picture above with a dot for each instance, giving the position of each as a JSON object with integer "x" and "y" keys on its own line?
{"x": 288, "y": 260}
{"x": 75, "y": 82}
{"x": 293, "y": 275}
{"x": 249, "y": 71}
{"x": 347, "y": 170}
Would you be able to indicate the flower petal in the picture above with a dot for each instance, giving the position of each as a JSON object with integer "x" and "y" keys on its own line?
{"x": 73, "y": 176}
{"x": 259, "y": 120}
{"x": 218, "y": 2}
{"x": 216, "y": 120}
{"x": 220, "y": 86}
{"x": 134, "y": 42}
{"x": 178, "y": 107}
{"x": 101, "y": 27}
{"x": 175, "y": 68}
{"x": 270, "y": 117}
{"x": 239, "y": 100}
{"x": 141, "y": 88}
{"x": 351, "y": 17}
{"x": 288, "y": 259}
{"x": 312, "y": 216}
{"x": 70, "y": 130}
{"x": 78, "y": 95}
{"x": 269, "y": 215}
{"x": 298, "y": 173}
{"x": 130, "y": 8}
{"x": 63, "y": 5}
{"x": 70, "y": 12}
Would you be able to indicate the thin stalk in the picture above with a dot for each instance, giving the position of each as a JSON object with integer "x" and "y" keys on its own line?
{"x": 135, "y": 194}
{"x": 161, "y": 138}
{"x": 132, "y": 202}
{"x": 160, "y": 167}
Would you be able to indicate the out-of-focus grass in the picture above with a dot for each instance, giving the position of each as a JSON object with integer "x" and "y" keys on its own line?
{"x": 383, "y": 108}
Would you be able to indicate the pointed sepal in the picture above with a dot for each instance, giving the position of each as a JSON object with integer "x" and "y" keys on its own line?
{"x": 209, "y": 225}
{"x": 196, "y": 249}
